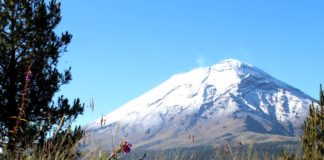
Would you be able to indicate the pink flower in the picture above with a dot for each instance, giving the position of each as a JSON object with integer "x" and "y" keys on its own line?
{"x": 126, "y": 147}
{"x": 28, "y": 75}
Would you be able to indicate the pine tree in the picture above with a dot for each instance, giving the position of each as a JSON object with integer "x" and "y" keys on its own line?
{"x": 313, "y": 127}
{"x": 29, "y": 76}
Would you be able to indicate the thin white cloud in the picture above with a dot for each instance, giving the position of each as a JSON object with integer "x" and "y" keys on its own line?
{"x": 201, "y": 60}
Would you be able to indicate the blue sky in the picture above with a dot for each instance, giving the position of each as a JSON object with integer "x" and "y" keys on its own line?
{"x": 123, "y": 48}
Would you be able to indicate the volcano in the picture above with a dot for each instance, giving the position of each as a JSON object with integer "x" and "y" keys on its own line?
{"x": 227, "y": 102}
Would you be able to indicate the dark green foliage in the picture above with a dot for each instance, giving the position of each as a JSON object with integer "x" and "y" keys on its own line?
{"x": 313, "y": 136}
{"x": 28, "y": 115}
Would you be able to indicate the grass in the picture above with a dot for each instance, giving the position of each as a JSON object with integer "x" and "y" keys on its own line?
{"x": 267, "y": 151}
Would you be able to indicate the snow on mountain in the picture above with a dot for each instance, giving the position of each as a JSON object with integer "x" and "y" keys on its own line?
{"x": 221, "y": 102}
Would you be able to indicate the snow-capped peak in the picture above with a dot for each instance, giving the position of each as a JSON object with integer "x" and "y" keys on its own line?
{"x": 228, "y": 92}
{"x": 229, "y": 64}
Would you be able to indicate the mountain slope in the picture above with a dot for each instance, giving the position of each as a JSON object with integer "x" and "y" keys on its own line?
{"x": 223, "y": 102}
